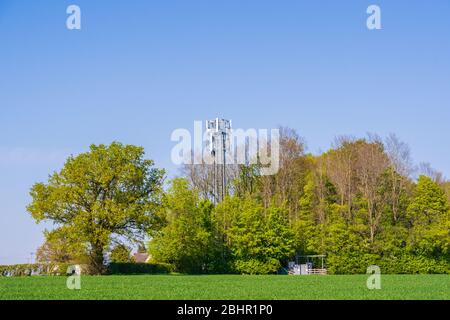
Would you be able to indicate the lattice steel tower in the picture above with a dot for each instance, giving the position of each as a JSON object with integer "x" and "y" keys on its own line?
{"x": 219, "y": 131}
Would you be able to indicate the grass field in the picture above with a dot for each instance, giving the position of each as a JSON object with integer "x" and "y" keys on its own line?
{"x": 228, "y": 287}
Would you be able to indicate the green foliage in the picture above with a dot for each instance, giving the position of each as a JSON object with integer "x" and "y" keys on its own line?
{"x": 429, "y": 215}
{"x": 60, "y": 269}
{"x": 258, "y": 240}
{"x": 47, "y": 269}
{"x": 243, "y": 236}
{"x": 418, "y": 245}
{"x": 186, "y": 241}
{"x": 19, "y": 270}
{"x": 61, "y": 247}
{"x": 355, "y": 204}
{"x": 429, "y": 204}
{"x": 407, "y": 263}
{"x": 306, "y": 231}
{"x": 110, "y": 191}
{"x": 255, "y": 266}
{"x": 121, "y": 254}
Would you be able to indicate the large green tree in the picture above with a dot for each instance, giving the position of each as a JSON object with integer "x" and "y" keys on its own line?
{"x": 59, "y": 247}
{"x": 186, "y": 240}
{"x": 110, "y": 192}
{"x": 258, "y": 239}
{"x": 121, "y": 254}
{"x": 430, "y": 219}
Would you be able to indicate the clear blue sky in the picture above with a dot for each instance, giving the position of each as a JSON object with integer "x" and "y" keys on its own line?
{"x": 139, "y": 69}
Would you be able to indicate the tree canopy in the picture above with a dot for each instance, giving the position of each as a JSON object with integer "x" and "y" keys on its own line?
{"x": 102, "y": 196}
{"x": 357, "y": 203}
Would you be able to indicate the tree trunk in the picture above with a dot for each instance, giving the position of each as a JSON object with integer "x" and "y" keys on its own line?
{"x": 96, "y": 258}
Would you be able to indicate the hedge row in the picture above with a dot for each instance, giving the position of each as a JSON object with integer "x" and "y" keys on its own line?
{"x": 138, "y": 268}
{"x": 354, "y": 263}
{"x": 59, "y": 269}
{"x": 21, "y": 270}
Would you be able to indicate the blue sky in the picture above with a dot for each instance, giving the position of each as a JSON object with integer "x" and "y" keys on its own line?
{"x": 140, "y": 69}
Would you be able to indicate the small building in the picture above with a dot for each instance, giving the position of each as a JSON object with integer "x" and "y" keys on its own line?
{"x": 141, "y": 257}
{"x": 304, "y": 265}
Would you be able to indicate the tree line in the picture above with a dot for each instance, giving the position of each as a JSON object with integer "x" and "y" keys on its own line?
{"x": 360, "y": 203}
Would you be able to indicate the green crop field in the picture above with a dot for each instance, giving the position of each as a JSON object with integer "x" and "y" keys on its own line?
{"x": 228, "y": 287}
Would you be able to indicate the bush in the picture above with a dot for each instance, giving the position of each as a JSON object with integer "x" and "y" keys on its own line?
{"x": 254, "y": 266}
{"x": 26, "y": 270}
{"x": 138, "y": 268}
{"x": 60, "y": 269}
{"x": 350, "y": 262}
{"x": 403, "y": 263}
{"x": 18, "y": 270}
{"x": 121, "y": 254}
{"x": 414, "y": 264}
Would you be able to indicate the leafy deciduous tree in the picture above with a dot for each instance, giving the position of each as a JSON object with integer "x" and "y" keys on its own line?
{"x": 108, "y": 192}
